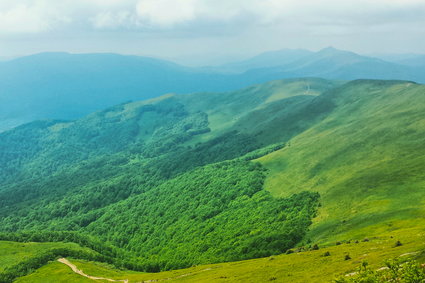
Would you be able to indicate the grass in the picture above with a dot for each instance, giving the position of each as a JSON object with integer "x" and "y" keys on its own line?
{"x": 12, "y": 253}
{"x": 54, "y": 272}
{"x": 225, "y": 110}
{"x": 366, "y": 159}
{"x": 306, "y": 266}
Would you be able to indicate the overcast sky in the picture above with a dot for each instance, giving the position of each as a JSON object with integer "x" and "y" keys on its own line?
{"x": 206, "y": 31}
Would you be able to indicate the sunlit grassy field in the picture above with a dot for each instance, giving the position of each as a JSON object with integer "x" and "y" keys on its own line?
{"x": 54, "y": 272}
{"x": 366, "y": 160}
{"x": 304, "y": 266}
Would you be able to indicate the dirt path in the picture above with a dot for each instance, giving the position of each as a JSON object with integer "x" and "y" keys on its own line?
{"x": 80, "y": 272}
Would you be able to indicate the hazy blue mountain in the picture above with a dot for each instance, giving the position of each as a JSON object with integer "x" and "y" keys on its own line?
{"x": 68, "y": 86}
{"x": 265, "y": 60}
{"x": 415, "y": 61}
{"x": 408, "y": 59}
{"x": 339, "y": 64}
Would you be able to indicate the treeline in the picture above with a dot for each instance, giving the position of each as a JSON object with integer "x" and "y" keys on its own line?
{"x": 263, "y": 151}
{"x": 97, "y": 250}
{"x": 83, "y": 240}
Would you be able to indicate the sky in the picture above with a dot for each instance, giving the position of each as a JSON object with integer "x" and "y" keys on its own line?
{"x": 204, "y": 32}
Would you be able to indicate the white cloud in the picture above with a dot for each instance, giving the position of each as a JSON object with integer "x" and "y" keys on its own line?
{"x": 115, "y": 20}
{"x": 32, "y": 16}
{"x": 167, "y": 13}
{"x": 195, "y": 25}
{"x": 11, "y": 21}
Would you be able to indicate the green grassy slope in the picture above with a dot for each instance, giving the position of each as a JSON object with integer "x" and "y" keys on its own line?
{"x": 226, "y": 110}
{"x": 304, "y": 266}
{"x": 54, "y": 272}
{"x": 366, "y": 159}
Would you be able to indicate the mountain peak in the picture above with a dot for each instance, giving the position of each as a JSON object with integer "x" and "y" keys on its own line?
{"x": 329, "y": 48}
{"x": 333, "y": 50}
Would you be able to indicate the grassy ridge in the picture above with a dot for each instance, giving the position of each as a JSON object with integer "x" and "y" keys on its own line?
{"x": 366, "y": 159}
{"x": 13, "y": 252}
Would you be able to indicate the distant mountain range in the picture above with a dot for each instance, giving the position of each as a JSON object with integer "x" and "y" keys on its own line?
{"x": 265, "y": 60}
{"x": 332, "y": 63}
{"x": 68, "y": 86}
{"x": 409, "y": 59}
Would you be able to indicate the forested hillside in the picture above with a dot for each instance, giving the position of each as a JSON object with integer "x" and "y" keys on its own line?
{"x": 156, "y": 172}
{"x": 203, "y": 178}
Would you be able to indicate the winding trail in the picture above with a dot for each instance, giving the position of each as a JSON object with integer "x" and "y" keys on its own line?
{"x": 80, "y": 272}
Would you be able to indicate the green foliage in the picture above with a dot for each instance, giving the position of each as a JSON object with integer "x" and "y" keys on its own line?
{"x": 215, "y": 213}
{"x": 395, "y": 271}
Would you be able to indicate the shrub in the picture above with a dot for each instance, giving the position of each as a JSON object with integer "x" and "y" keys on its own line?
{"x": 396, "y": 271}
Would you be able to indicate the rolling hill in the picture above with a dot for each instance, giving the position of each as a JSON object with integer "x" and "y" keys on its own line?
{"x": 365, "y": 159}
{"x": 204, "y": 178}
